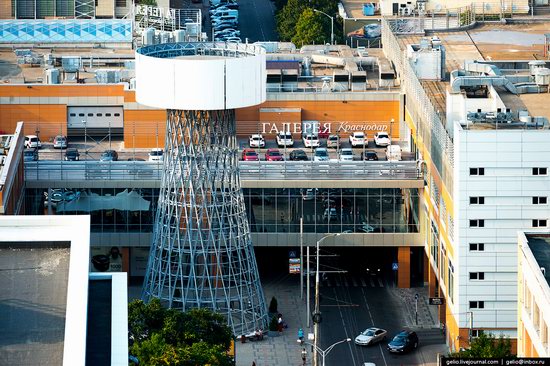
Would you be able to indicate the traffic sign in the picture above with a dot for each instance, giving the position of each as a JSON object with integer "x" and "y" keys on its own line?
{"x": 437, "y": 300}
{"x": 394, "y": 266}
{"x": 416, "y": 296}
{"x": 292, "y": 254}
{"x": 293, "y": 268}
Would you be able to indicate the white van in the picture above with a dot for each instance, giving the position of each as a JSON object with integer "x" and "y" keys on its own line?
{"x": 393, "y": 153}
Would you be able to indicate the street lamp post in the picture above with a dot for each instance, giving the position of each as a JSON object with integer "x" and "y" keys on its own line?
{"x": 317, "y": 314}
{"x": 331, "y": 25}
{"x": 325, "y": 352}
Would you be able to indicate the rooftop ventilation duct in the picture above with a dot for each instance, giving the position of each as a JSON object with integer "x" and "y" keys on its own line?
{"x": 459, "y": 79}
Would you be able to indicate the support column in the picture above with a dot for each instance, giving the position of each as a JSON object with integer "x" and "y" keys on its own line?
{"x": 404, "y": 271}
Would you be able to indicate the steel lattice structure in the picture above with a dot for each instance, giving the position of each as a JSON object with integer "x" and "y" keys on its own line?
{"x": 201, "y": 254}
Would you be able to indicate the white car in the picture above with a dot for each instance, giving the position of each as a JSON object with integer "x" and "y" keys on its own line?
{"x": 256, "y": 140}
{"x": 311, "y": 141}
{"x": 321, "y": 154}
{"x": 156, "y": 154}
{"x": 358, "y": 139}
{"x": 309, "y": 194}
{"x": 346, "y": 154}
{"x": 32, "y": 142}
{"x": 370, "y": 336}
{"x": 382, "y": 139}
{"x": 284, "y": 139}
{"x": 60, "y": 142}
{"x": 393, "y": 153}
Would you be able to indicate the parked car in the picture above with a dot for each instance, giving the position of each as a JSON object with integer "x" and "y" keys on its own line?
{"x": 330, "y": 214}
{"x": 370, "y": 336}
{"x": 72, "y": 154}
{"x": 60, "y": 142}
{"x": 32, "y": 142}
{"x": 358, "y": 139}
{"x": 309, "y": 194}
{"x": 109, "y": 155}
{"x": 404, "y": 341}
{"x": 256, "y": 140}
{"x": 321, "y": 154}
{"x": 311, "y": 141}
{"x": 346, "y": 154}
{"x": 382, "y": 139}
{"x": 156, "y": 154}
{"x": 139, "y": 170}
{"x": 393, "y": 153}
{"x": 298, "y": 155}
{"x": 333, "y": 141}
{"x": 273, "y": 155}
{"x": 30, "y": 155}
{"x": 369, "y": 155}
{"x": 233, "y": 39}
{"x": 250, "y": 155}
{"x": 285, "y": 139}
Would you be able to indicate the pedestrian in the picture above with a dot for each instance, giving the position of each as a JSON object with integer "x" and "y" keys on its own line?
{"x": 253, "y": 363}
{"x": 280, "y": 323}
{"x": 301, "y": 334}
{"x": 304, "y": 354}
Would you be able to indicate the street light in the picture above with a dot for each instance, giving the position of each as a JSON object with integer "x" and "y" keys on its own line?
{"x": 331, "y": 25}
{"x": 325, "y": 352}
{"x": 316, "y": 318}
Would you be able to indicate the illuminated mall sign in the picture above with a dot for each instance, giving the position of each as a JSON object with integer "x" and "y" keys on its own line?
{"x": 152, "y": 12}
{"x": 324, "y": 127}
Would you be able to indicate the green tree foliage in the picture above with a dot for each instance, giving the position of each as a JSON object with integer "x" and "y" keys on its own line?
{"x": 486, "y": 345}
{"x": 309, "y": 29}
{"x": 287, "y": 18}
{"x": 166, "y": 337}
{"x": 147, "y": 2}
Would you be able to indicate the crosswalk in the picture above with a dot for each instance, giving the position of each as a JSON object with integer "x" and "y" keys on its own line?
{"x": 350, "y": 280}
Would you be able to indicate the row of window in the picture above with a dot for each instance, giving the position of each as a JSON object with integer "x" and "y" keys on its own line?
{"x": 96, "y": 114}
{"x": 537, "y": 200}
{"x": 535, "y": 171}
{"x": 535, "y": 223}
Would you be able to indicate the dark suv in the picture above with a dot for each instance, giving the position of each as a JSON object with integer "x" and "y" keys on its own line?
{"x": 403, "y": 342}
{"x": 298, "y": 155}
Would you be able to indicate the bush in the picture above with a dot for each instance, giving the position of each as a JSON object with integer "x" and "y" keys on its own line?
{"x": 273, "y": 305}
{"x": 273, "y": 325}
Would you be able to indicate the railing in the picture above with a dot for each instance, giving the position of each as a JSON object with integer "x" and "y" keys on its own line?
{"x": 261, "y": 170}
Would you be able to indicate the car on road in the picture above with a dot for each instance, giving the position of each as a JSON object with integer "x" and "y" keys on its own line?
{"x": 358, "y": 139}
{"x": 382, "y": 139}
{"x": 321, "y": 154}
{"x": 298, "y": 155}
{"x": 309, "y": 194}
{"x": 233, "y": 39}
{"x": 273, "y": 155}
{"x": 30, "y": 155}
{"x": 370, "y": 336}
{"x": 369, "y": 155}
{"x": 32, "y": 142}
{"x": 233, "y": 6}
{"x": 229, "y": 32}
{"x": 333, "y": 141}
{"x": 256, "y": 140}
{"x": 60, "y": 142}
{"x": 250, "y": 155}
{"x": 310, "y": 141}
{"x": 223, "y": 26}
{"x": 285, "y": 139}
{"x": 346, "y": 154}
{"x": 72, "y": 154}
{"x": 109, "y": 155}
{"x": 330, "y": 214}
{"x": 156, "y": 154}
{"x": 403, "y": 342}
{"x": 374, "y": 268}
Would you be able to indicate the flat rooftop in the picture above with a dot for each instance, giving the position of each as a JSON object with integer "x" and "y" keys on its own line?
{"x": 354, "y": 8}
{"x": 540, "y": 247}
{"x": 33, "y": 302}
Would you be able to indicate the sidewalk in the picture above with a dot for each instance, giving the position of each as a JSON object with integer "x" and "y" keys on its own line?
{"x": 427, "y": 314}
{"x": 282, "y": 350}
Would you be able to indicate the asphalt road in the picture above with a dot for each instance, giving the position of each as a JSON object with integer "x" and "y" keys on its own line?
{"x": 257, "y": 20}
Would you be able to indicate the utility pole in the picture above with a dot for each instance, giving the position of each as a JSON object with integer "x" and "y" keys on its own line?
{"x": 471, "y": 330}
{"x": 308, "y": 315}
{"x": 302, "y": 258}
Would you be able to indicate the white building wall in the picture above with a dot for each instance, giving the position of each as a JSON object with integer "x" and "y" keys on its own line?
{"x": 508, "y": 187}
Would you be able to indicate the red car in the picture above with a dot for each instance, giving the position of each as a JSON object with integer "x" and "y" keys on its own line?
{"x": 273, "y": 155}
{"x": 250, "y": 155}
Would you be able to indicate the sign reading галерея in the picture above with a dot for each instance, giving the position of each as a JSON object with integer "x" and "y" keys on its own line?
{"x": 323, "y": 127}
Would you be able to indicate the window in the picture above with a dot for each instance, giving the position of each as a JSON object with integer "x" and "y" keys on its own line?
{"x": 540, "y": 171}
{"x": 99, "y": 115}
{"x": 117, "y": 114}
{"x": 477, "y": 200}
{"x": 477, "y": 275}
{"x": 477, "y": 223}
{"x": 72, "y": 114}
{"x": 90, "y": 114}
{"x": 81, "y": 115}
{"x": 540, "y": 200}
{"x": 121, "y": 3}
{"x": 476, "y": 333}
{"x": 107, "y": 114}
{"x": 477, "y": 171}
{"x": 451, "y": 279}
{"x": 477, "y": 304}
{"x": 539, "y": 223}
{"x": 477, "y": 247}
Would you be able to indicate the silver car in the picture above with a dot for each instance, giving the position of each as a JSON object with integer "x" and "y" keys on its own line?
{"x": 370, "y": 336}
{"x": 60, "y": 142}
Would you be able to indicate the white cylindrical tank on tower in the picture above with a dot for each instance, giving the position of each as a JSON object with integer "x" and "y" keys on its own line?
{"x": 148, "y": 36}
{"x": 542, "y": 76}
{"x": 535, "y": 65}
{"x": 179, "y": 36}
{"x": 164, "y": 37}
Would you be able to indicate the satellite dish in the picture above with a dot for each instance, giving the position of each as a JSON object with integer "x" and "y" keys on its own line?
{"x": 438, "y": 7}
{"x": 487, "y": 6}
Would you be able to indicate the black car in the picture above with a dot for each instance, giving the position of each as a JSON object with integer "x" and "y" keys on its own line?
{"x": 109, "y": 155}
{"x": 298, "y": 155}
{"x": 403, "y": 342}
{"x": 72, "y": 155}
{"x": 369, "y": 155}
{"x": 30, "y": 155}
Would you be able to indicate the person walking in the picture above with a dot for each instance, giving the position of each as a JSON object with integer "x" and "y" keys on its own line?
{"x": 304, "y": 354}
{"x": 301, "y": 334}
{"x": 280, "y": 323}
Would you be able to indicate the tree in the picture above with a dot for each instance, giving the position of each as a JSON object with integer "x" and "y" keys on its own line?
{"x": 309, "y": 29}
{"x": 486, "y": 346}
{"x": 160, "y": 336}
{"x": 147, "y": 2}
{"x": 273, "y": 305}
{"x": 287, "y": 18}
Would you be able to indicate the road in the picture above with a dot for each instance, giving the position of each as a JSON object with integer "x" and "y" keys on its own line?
{"x": 257, "y": 20}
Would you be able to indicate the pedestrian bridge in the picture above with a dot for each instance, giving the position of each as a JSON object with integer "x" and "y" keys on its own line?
{"x": 260, "y": 174}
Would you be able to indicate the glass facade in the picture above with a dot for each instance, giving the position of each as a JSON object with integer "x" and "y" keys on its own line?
{"x": 360, "y": 210}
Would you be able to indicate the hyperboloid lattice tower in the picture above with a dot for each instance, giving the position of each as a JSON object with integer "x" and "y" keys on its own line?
{"x": 201, "y": 254}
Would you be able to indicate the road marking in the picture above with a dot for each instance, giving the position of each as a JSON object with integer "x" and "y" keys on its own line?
{"x": 380, "y": 283}
{"x": 363, "y": 283}
{"x": 355, "y": 284}
{"x": 345, "y": 282}
{"x": 372, "y": 322}
{"x": 371, "y": 282}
